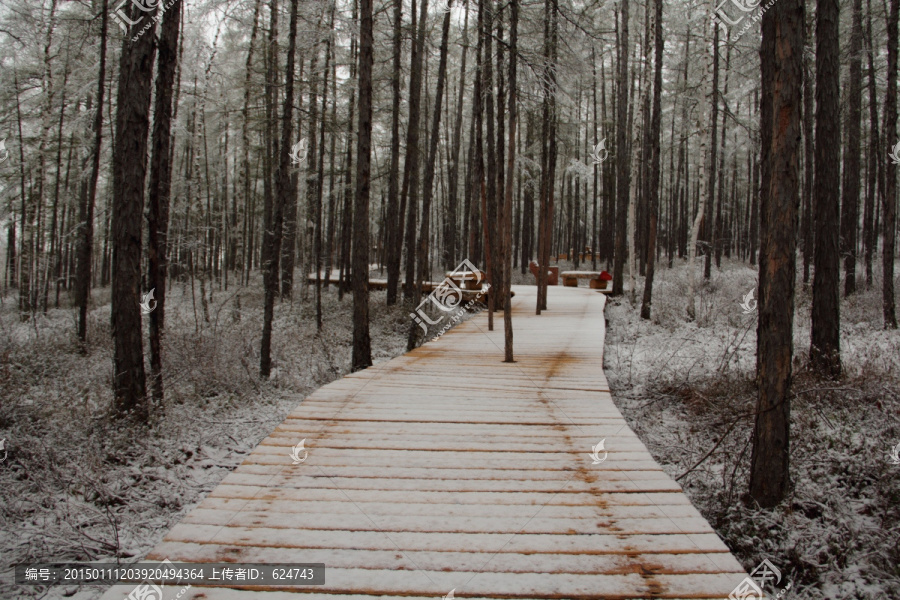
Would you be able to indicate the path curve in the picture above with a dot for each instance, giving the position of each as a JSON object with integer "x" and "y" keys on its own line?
{"x": 447, "y": 469}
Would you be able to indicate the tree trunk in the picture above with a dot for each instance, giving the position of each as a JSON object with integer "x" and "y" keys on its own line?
{"x": 702, "y": 125}
{"x": 719, "y": 230}
{"x": 320, "y": 184}
{"x": 595, "y": 147}
{"x": 870, "y": 235}
{"x": 527, "y": 244}
{"x": 890, "y": 191}
{"x": 332, "y": 196}
{"x": 505, "y": 230}
{"x": 270, "y": 131}
{"x": 487, "y": 182}
{"x": 782, "y": 64}
{"x": 809, "y": 153}
{"x": 362, "y": 346}
{"x": 428, "y": 184}
{"x": 825, "y": 348}
{"x": 633, "y": 176}
{"x": 709, "y": 222}
{"x": 53, "y": 253}
{"x": 410, "y": 190}
{"x": 129, "y": 177}
{"x": 475, "y": 197}
{"x": 289, "y": 228}
{"x": 850, "y": 199}
{"x": 496, "y": 300}
{"x": 394, "y": 215}
{"x": 159, "y": 190}
{"x": 548, "y": 151}
{"x": 283, "y": 190}
{"x": 489, "y": 198}
{"x": 655, "y": 123}
{"x": 243, "y": 183}
{"x": 347, "y": 209}
{"x": 623, "y": 172}
{"x": 451, "y": 239}
{"x": 89, "y": 193}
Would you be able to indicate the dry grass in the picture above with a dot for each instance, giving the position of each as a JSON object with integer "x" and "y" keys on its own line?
{"x": 79, "y": 485}
{"x": 688, "y": 389}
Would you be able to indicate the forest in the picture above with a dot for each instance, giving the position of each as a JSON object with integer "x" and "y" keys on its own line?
{"x": 197, "y": 196}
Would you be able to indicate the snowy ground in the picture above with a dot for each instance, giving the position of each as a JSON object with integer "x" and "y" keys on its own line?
{"x": 683, "y": 386}
{"x": 77, "y": 486}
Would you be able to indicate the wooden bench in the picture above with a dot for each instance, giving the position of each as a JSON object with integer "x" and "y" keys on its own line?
{"x": 467, "y": 280}
{"x": 552, "y": 273}
{"x": 570, "y": 279}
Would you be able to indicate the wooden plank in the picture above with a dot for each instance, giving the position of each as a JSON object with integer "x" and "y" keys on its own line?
{"x": 446, "y": 468}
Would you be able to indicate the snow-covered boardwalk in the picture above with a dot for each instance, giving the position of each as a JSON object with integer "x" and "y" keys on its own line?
{"x": 447, "y": 469}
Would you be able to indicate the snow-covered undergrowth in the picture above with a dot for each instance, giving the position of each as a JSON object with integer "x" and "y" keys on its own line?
{"x": 77, "y": 485}
{"x": 687, "y": 388}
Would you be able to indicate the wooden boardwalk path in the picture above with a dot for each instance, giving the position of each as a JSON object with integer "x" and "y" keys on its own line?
{"x": 446, "y": 469}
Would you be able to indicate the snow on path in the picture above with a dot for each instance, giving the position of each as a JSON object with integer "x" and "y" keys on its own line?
{"x": 447, "y": 469}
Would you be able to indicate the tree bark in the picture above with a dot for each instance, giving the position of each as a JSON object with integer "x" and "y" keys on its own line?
{"x": 623, "y": 172}
{"x": 889, "y": 220}
{"x": 283, "y": 191}
{"x": 159, "y": 190}
{"x": 870, "y": 235}
{"x": 709, "y": 222}
{"x": 320, "y": 184}
{"x": 428, "y": 184}
{"x": 362, "y": 346}
{"x": 332, "y": 157}
{"x": 489, "y": 198}
{"x": 655, "y": 123}
{"x": 505, "y": 229}
{"x": 719, "y": 231}
{"x": 347, "y": 209}
{"x": 394, "y": 215}
{"x": 451, "y": 239}
{"x": 782, "y": 64}
{"x": 809, "y": 153}
{"x": 88, "y": 193}
{"x": 825, "y": 348}
{"x": 702, "y": 129}
{"x": 594, "y": 190}
{"x": 410, "y": 191}
{"x": 850, "y": 199}
{"x": 129, "y": 177}
{"x": 548, "y": 151}
{"x": 243, "y": 183}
